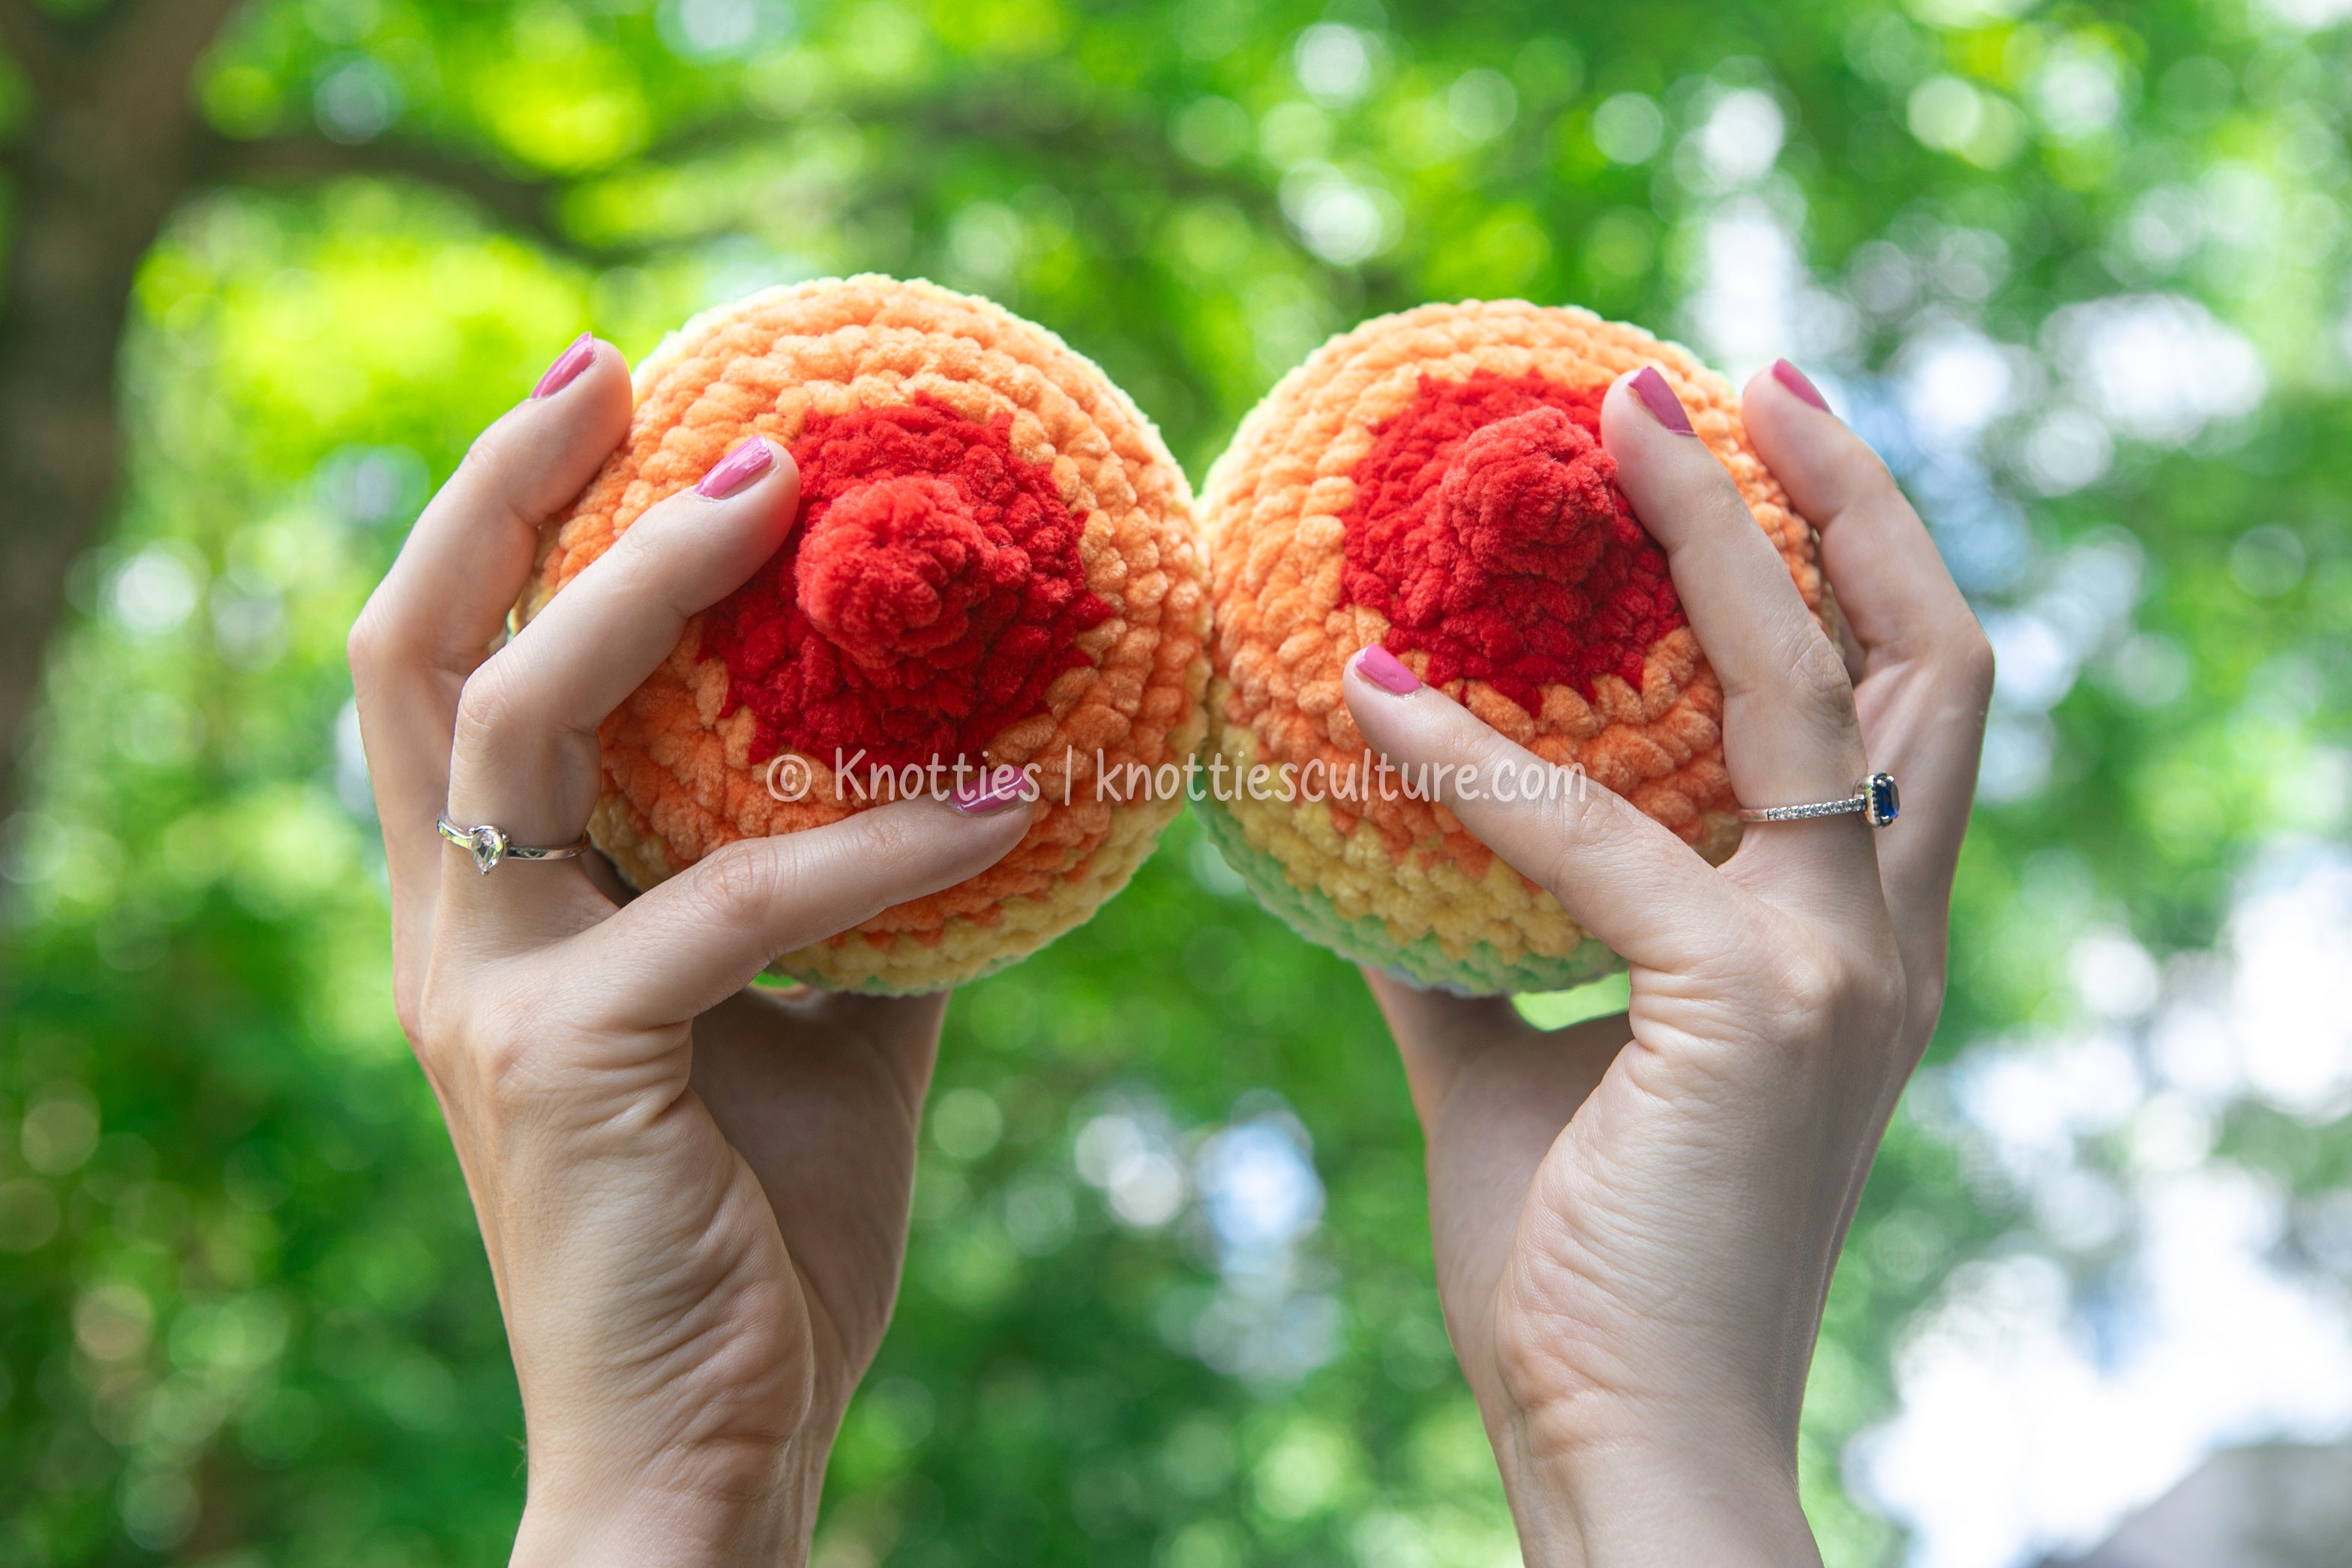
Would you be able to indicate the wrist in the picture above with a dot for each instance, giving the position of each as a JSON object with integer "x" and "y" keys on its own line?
{"x": 1724, "y": 1495}
{"x": 754, "y": 1508}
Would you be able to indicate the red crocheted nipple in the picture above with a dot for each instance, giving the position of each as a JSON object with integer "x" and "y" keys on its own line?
{"x": 901, "y": 569}
{"x": 1529, "y": 495}
{"x": 929, "y": 595}
{"x": 1488, "y": 528}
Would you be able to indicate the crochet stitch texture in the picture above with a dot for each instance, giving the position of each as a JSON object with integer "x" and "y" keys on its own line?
{"x": 1433, "y": 482}
{"x": 993, "y": 560}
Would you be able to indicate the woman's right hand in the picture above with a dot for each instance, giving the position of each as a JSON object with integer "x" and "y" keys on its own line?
{"x": 693, "y": 1191}
{"x": 1636, "y": 1219}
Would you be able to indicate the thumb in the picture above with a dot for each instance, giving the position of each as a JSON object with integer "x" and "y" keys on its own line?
{"x": 691, "y": 942}
{"x": 1620, "y": 875}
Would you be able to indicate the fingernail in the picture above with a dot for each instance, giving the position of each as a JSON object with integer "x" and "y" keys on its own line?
{"x": 750, "y": 458}
{"x": 567, "y": 367}
{"x": 1660, "y": 399}
{"x": 989, "y": 791}
{"x": 1789, "y": 376}
{"x": 1386, "y": 670}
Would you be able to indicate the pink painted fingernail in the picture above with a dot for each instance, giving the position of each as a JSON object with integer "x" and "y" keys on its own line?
{"x": 989, "y": 791}
{"x": 567, "y": 367}
{"x": 1660, "y": 399}
{"x": 1386, "y": 670}
{"x": 749, "y": 458}
{"x": 1789, "y": 376}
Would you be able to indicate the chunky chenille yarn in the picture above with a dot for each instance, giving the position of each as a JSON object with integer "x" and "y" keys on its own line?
{"x": 994, "y": 562}
{"x": 1434, "y": 482}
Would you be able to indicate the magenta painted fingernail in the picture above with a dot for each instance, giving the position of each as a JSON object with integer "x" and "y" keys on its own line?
{"x": 567, "y": 367}
{"x": 1386, "y": 670}
{"x": 989, "y": 791}
{"x": 750, "y": 458}
{"x": 1660, "y": 399}
{"x": 1789, "y": 376}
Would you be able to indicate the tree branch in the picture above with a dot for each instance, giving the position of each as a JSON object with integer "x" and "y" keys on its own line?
{"x": 983, "y": 116}
{"x": 29, "y": 39}
{"x": 173, "y": 28}
{"x": 152, "y": 46}
{"x": 526, "y": 204}
{"x": 523, "y": 202}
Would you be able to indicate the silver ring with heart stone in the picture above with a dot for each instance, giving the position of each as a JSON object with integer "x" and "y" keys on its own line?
{"x": 490, "y": 845}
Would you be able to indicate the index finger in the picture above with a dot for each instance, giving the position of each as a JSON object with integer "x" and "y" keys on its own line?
{"x": 1790, "y": 735}
{"x": 431, "y": 621}
{"x": 449, "y": 591}
{"x": 1927, "y": 667}
{"x": 1892, "y": 585}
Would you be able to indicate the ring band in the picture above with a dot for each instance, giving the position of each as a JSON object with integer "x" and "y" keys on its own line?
{"x": 490, "y": 845}
{"x": 1875, "y": 799}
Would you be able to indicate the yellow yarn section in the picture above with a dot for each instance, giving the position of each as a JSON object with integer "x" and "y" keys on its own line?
{"x": 968, "y": 949}
{"x": 1425, "y": 894}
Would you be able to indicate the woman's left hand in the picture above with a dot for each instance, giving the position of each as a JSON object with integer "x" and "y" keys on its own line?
{"x": 1635, "y": 1218}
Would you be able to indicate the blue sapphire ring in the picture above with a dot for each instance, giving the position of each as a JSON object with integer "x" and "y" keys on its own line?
{"x": 1874, "y": 799}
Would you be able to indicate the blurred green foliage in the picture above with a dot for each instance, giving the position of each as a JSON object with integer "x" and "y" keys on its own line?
{"x": 244, "y": 1317}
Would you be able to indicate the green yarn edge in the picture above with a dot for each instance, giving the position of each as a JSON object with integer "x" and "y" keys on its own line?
{"x": 780, "y": 975}
{"x": 1423, "y": 962}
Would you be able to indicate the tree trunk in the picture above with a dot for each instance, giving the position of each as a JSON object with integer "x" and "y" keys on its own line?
{"x": 102, "y": 159}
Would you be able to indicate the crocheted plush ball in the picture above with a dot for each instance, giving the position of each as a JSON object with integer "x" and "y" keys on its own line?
{"x": 994, "y": 562}
{"x": 1434, "y": 482}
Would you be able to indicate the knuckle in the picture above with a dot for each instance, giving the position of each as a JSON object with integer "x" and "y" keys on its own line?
{"x": 640, "y": 563}
{"x": 506, "y": 1071}
{"x": 489, "y": 1038}
{"x": 1924, "y": 1002}
{"x": 503, "y": 471}
{"x": 1808, "y": 985}
{"x": 1581, "y": 815}
{"x": 900, "y": 852}
{"x": 410, "y": 1013}
{"x": 1819, "y": 685}
{"x": 486, "y": 457}
{"x": 1460, "y": 733}
{"x": 1867, "y": 480}
{"x": 435, "y": 1019}
{"x": 888, "y": 844}
{"x": 1558, "y": 868}
{"x": 1819, "y": 671}
{"x": 1691, "y": 486}
{"x": 733, "y": 886}
{"x": 490, "y": 703}
{"x": 476, "y": 1053}
{"x": 433, "y": 1008}
{"x": 380, "y": 638}
{"x": 364, "y": 647}
{"x": 1479, "y": 754}
{"x": 1975, "y": 659}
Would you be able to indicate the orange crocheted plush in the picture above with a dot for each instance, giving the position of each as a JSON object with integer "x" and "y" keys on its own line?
{"x": 1433, "y": 482}
{"x": 993, "y": 564}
